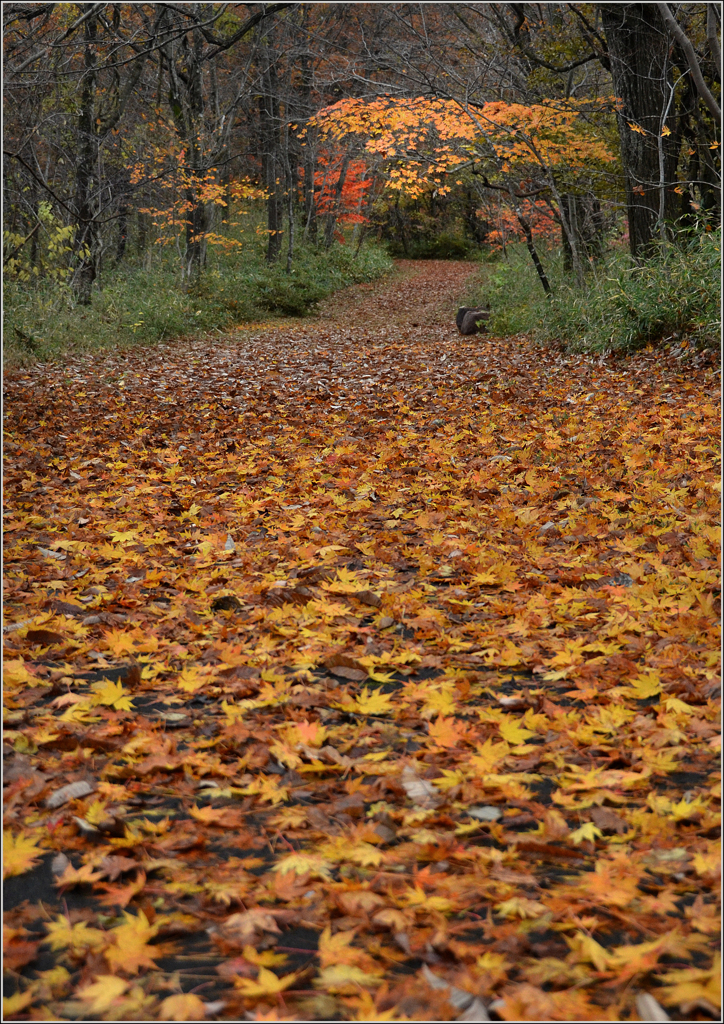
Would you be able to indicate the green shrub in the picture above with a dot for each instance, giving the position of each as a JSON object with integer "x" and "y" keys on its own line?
{"x": 143, "y": 305}
{"x": 445, "y": 246}
{"x": 622, "y": 305}
{"x": 626, "y": 306}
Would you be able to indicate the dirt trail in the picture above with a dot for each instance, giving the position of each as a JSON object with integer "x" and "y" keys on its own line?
{"x": 419, "y": 294}
{"x": 379, "y": 658}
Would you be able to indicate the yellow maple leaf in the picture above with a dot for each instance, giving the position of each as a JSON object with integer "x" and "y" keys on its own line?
{"x": 585, "y": 949}
{"x": 345, "y": 979}
{"x": 449, "y": 779}
{"x": 182, "y": 1006}
{"x": 646, "y": 685}
{"x": 692, "y": 983}
{"x": 644, "y": 956}
{"x": 305, "y": 863}
{"x": 678, "y": 707}
{"x": 119, "y": 643}
{"x": 19, "y": 1001}
{"x": 265, "y": 958}
{"x": 97, "y": 812}
{"x": 284, "y": 754}
{"x": 338, "y": 948}
{"x": 266, "y": 984}
{"x": 289, "y": 817}
{"x": 15, "y": 674}
{"x": 488, "y": 755}
{"x": 267, "y": 788}
{"x": 440, "y": 701}
{"x": 210, "y": 815}
{"x": 20, "y": 854}
{"x": 365, "y": 1009}
{"x": 708, "y": 863}
{"x": 78, "y": 937}
{"x": 191, "y": 679}
{"x": 587, "y": 831}
{"x": 123, "y": 536}
{"x": 374, "y": 703}
{"x": 79, "y": 712}
{"x": 512, "y": 732}
{"x": 419, "y": 899}
{"x": 521, "y": 907}
{"x": 376, "y": 755}
{"x": 130, "y": 951}
{"x": 111, "y": 695}
{"x": 104, "y": 991}
{"x": 364, "y": 854}
{"x": 485, "y": 579}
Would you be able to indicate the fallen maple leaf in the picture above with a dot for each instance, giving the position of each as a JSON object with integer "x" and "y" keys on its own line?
{"x": 346, "y": 978}
{"x": 77, "y": 937}
{"x": 266, "y": 984}
{"x": 182, "y": 1006}
{"x": 130, "y": 949}
{"x": 250, "y": 928}
{"x": 103, "y": 993}
{"x": 446, "y": 732}
{"x": 20, "y": 854}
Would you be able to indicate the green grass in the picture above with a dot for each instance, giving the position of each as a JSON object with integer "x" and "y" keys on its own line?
{"x": 622, "y": 306}
{"x": 675, "y": 293}
{"x": 140, "y": 305}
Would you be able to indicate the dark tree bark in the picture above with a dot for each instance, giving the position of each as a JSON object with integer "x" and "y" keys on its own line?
{"x": 334, "y": 212}
{"x": 638, "y": 49}
{"x": 85, "y": 235}
{"x": 122, "y": 232}
{"x": 309, "y": 162}
{"x": 583, "y": 213}
{"x": 530, "y": 245}
{"x": 272, "y": 168}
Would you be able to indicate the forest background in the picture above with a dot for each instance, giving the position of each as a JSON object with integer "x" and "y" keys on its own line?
{"x": 177, "y": 169}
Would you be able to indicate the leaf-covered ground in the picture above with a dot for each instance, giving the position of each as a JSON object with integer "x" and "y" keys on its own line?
{"x": 357, "y": 670}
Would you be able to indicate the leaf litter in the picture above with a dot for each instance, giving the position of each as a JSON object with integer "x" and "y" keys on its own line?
{"x": 357, "y": 670}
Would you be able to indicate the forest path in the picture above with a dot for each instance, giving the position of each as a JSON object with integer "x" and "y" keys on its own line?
{"x": 347, "y": 629}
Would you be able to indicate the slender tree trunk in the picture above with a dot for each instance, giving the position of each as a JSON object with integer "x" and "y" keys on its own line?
{"x": 638, "y": 47}
{"x": 291, "y": 192}
{"x": 272, "y": 166}
{"x": 334, "y": 212}
{"x": 85, "y": 242}
{"x": 523, "y": 221}
{"x": 309, "y": 162}
{"x": 122, "y": 232}
{"x": 310, "y": 202}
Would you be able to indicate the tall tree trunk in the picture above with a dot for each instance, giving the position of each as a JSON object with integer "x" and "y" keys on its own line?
{"x": 638, "y": 49}
{"x": 85, "y": 242}
{"x": 309, "y": 162}
{"x": 585, "y": 223}
{"x": 530, "y": 245}
{"x": 272, "y": 166}
{"x": 310, "y": 202}
{"x": 334, "y": 212}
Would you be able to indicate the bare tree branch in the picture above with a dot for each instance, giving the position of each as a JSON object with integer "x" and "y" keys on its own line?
{"x": 691, "y": 58}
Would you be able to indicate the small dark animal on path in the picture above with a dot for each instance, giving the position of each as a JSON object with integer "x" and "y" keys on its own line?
{"x": 468, "y": 317}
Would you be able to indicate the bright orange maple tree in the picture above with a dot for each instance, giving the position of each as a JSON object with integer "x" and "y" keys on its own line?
{"x": 418, "y": 144}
